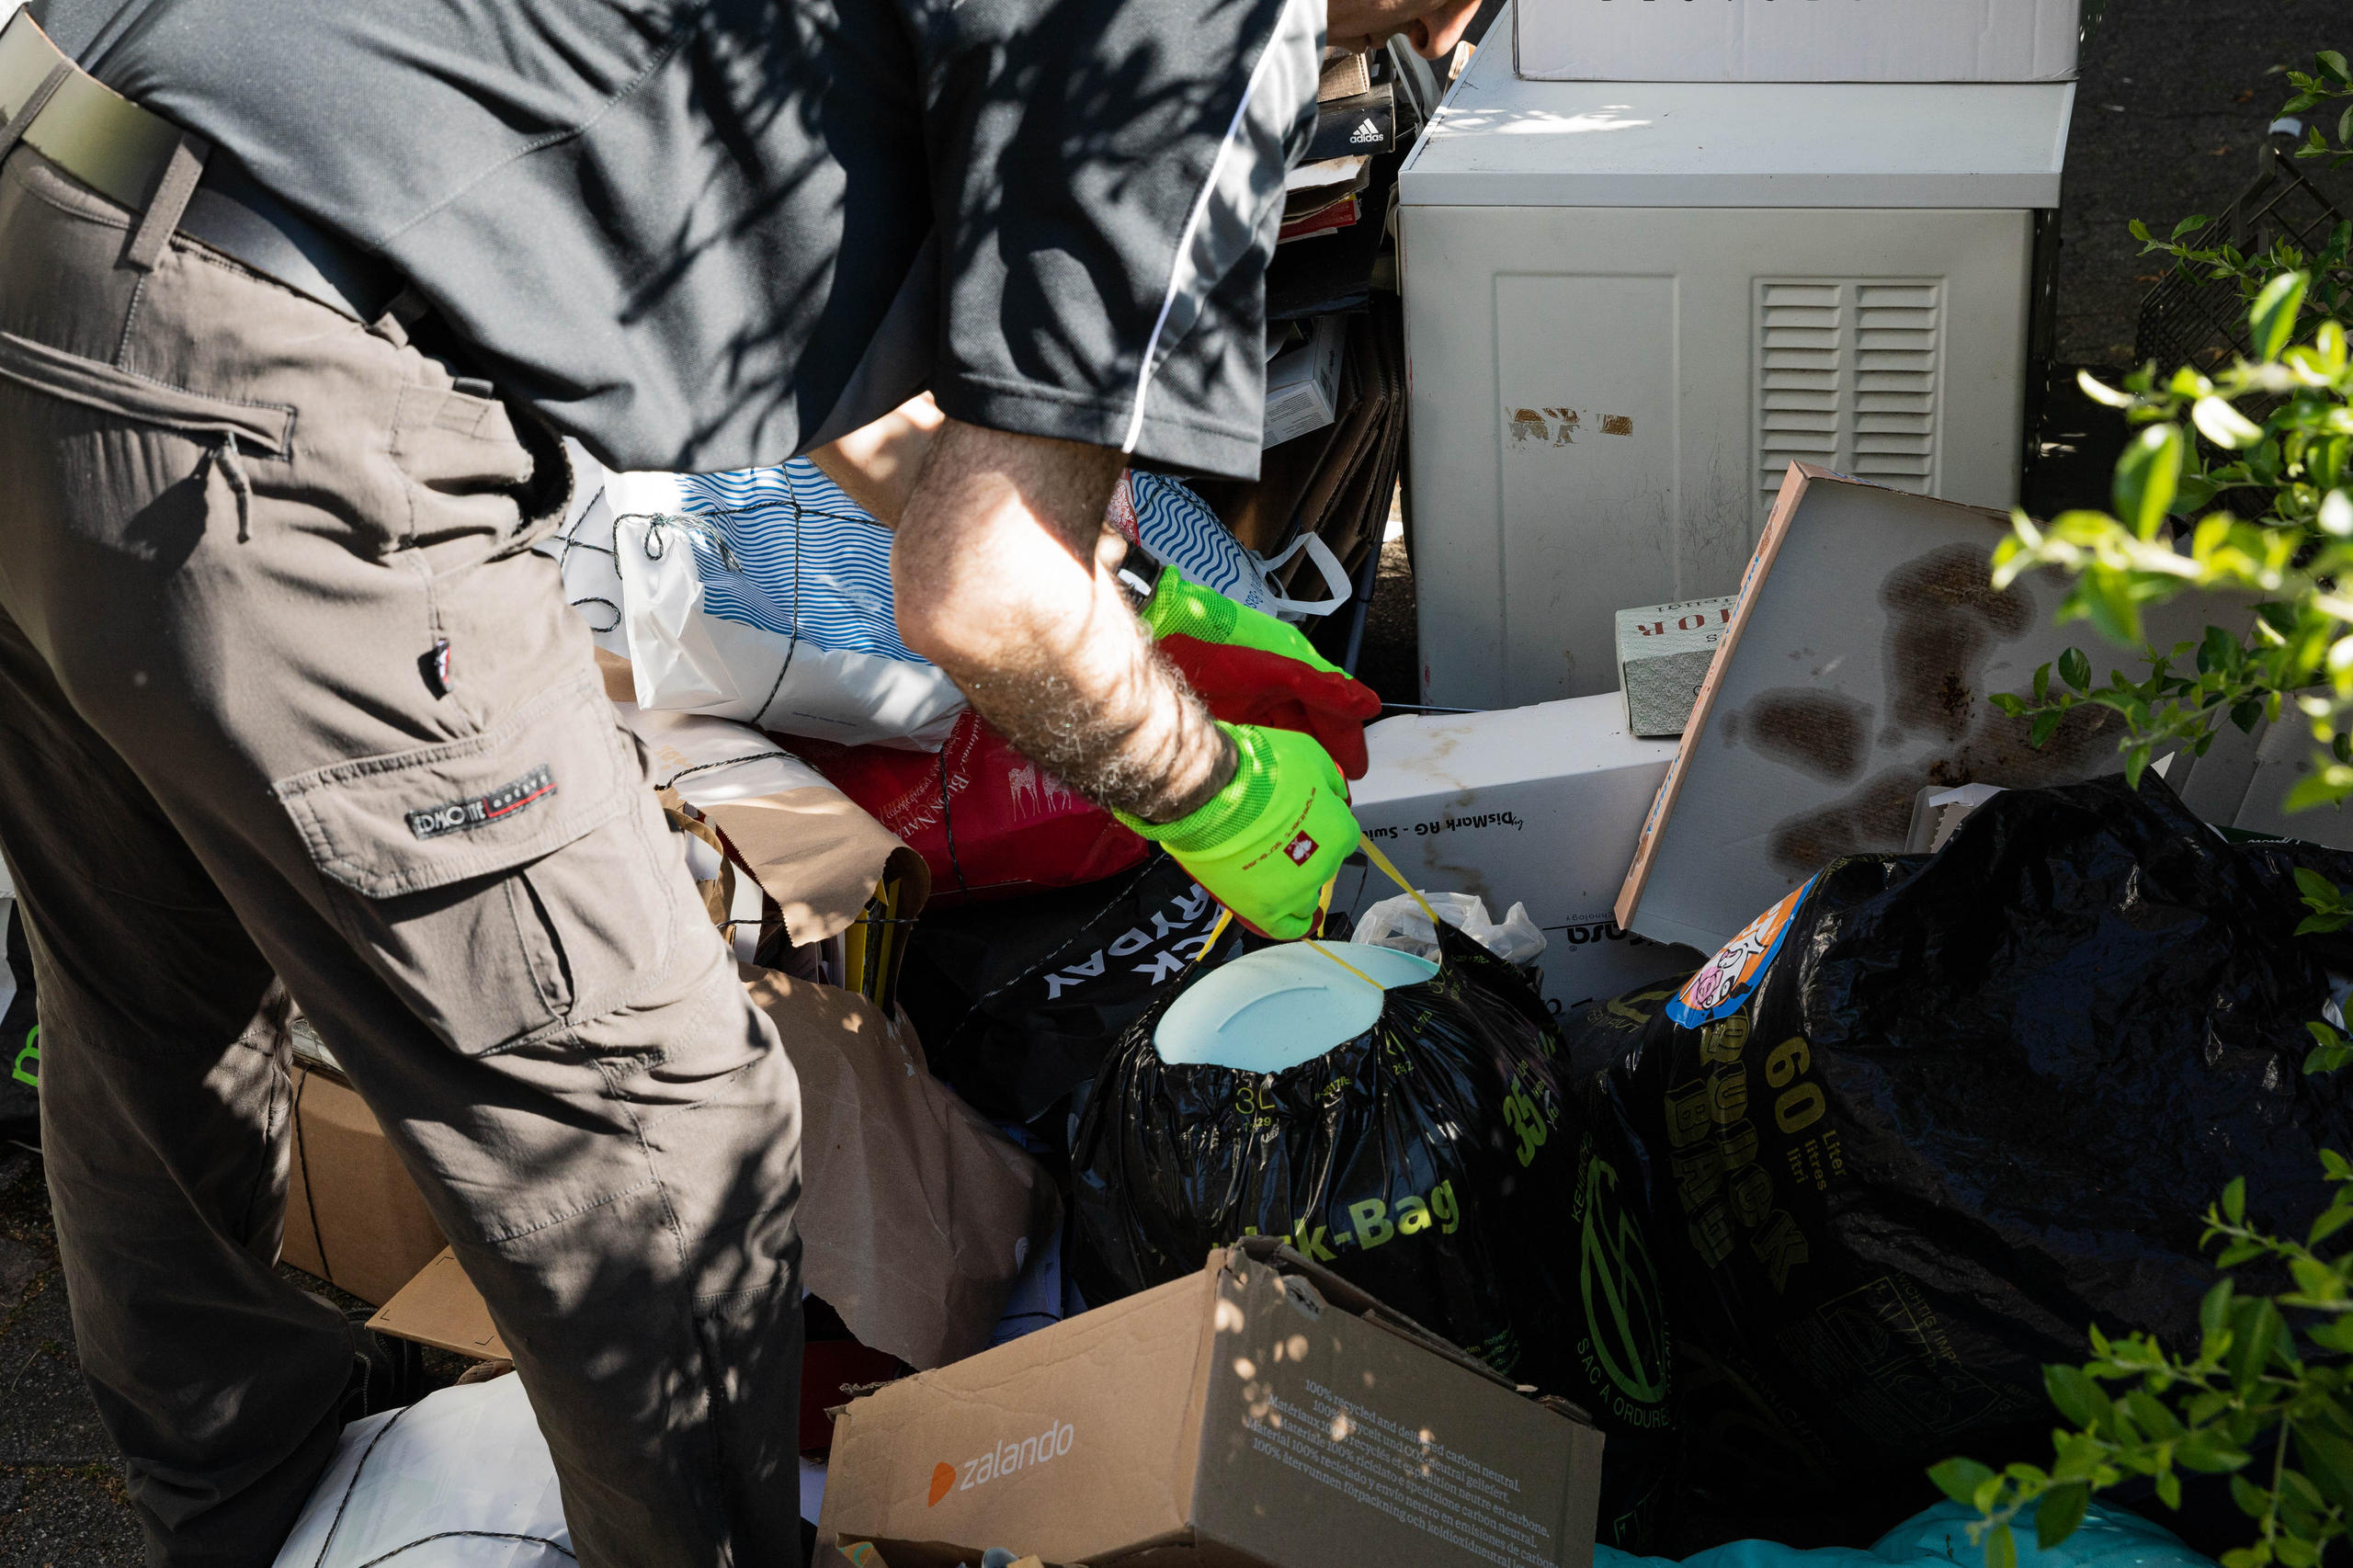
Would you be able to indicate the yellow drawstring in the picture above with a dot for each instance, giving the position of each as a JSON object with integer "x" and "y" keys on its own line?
{"x": 1208, "y": 943}
{"x": 1345, "y": 965}
{"x": 1373, "y": 852}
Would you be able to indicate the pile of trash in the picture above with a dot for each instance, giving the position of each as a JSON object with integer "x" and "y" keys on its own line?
{"x": 1673, "y": 1141}
{"x": 1666, "y": 1142}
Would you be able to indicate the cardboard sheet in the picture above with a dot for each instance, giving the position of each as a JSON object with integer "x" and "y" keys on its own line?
{"x": 441, "y": 1308}
{"x": 1856, "y": 672}
{"x": 915, "y": 1214}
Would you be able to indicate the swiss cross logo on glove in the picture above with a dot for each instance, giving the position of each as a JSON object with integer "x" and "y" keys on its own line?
{"x": 1300, "y": 851}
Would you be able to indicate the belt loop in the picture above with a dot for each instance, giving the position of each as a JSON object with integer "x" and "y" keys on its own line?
{"x": 26, "y": 112}
{"x": 170, "y": 200}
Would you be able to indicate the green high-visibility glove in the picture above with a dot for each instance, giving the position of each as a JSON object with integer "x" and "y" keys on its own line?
{"x": 1267, "y": 844}
{"x": 1179, "y": 608}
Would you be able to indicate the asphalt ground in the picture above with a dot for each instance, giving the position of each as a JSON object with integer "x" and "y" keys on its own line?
{"x": 2174, "y": 99}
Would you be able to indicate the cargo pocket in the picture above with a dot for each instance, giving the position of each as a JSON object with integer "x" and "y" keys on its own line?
{"x": 507, "y": 886}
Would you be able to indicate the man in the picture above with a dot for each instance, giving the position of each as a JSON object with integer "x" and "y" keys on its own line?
{"x": 289, "y": 710}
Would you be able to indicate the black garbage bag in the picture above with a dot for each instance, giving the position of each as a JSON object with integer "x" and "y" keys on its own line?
{"x": 20, "y": 1034}
{"x": 1016, "y": 1002}
{"x": 1437, "y": 1161}
{"x": 1927, "y": 1120}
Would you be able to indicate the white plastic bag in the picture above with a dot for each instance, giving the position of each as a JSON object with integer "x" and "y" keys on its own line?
{"x": 583, "y": 552}
{"x": 465, "y": 1467}
{"x": 765, "y": 595}
{"x": 1399, "y": 922}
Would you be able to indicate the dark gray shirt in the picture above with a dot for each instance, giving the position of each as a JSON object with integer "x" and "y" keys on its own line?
{"x": 709, "y": 235}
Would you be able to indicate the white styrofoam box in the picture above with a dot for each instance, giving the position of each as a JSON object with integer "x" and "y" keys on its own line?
{"x": 2243, "y": 780}
{"x": 1500, "y": 141}
{"x": 1786, "y": 40}
{"x": 1539, "y": 805}
{"x": 1628, "y": 308}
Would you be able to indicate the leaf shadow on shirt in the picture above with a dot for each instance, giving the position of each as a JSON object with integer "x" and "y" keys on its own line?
{"x": 1058, "y": 146}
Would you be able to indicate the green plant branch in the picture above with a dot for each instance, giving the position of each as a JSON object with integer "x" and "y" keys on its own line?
{"x": 2238, "y": 482}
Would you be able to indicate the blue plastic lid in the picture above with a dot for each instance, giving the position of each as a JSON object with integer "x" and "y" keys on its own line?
{"x": 1279, "y": 1006}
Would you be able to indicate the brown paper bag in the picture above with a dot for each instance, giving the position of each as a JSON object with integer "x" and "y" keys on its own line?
{"x": 810, "y": 847}
{"x": 915, "y": 1214}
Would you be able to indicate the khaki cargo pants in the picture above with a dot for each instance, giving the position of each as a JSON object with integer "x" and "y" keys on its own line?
{"x": 284, "y": 695}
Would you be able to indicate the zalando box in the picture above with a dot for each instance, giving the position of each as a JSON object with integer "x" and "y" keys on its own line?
{"x": 1261, "y": 1411}
{"x": 1797, "y": 40}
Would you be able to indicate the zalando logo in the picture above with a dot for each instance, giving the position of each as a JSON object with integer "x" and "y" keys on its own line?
{"x": 1003, "y": 1460}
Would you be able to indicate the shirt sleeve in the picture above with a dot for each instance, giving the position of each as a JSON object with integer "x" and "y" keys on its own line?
{"x": 1108, "y": 181}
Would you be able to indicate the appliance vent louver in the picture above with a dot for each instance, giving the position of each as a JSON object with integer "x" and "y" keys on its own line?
{"x": 1847, "y": 378}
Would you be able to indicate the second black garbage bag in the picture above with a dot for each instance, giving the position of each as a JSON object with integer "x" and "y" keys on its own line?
{"x": 1927, "y": 1120}
{"x": 1434, "y": 1157}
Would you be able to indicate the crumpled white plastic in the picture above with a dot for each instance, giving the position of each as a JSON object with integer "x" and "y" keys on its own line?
{"x": 464, "y": 1468}
{"x": 1399, "y": 922}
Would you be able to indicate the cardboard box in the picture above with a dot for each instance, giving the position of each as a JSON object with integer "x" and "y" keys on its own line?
{"x": 1362, "y": 122}
{"x": 1343, "y": 75}
{"x": 1663, "y": 651}
{"x": 1304, "y": 383}
{"x": 1796, "y": 40}
{"x": 1857, "y": 674}
{"x": 1540, "y": 805}
{"x": 1260, "y": 1411}
{"x": 353, "y": 1217}
{"x": 441, "y": 1308}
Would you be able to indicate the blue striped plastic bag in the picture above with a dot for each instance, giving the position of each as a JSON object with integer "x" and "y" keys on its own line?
{"x": 1177, "y": 528}
{"x": 764, "y": 596}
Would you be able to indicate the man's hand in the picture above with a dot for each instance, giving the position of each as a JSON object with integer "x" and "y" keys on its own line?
{"x": 1253, "y": 670}
{"x": 1265, "y": 844}
{"x": 1003, "y": 574}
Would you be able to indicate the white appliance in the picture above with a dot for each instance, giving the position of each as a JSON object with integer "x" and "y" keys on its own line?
{"x": 1628, "y": 306}
{"x": 1776, "y": 40}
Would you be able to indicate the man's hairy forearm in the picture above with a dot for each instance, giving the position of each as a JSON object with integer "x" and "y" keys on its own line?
{"x": 1002, "y": 579}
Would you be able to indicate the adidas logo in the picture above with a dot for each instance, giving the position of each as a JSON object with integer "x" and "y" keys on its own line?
{"x": 1365, "y": 132}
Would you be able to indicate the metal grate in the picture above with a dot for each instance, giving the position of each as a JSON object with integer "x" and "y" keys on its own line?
{"x": 2197, "y": 321}
{"x": 1847, "y": 378}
